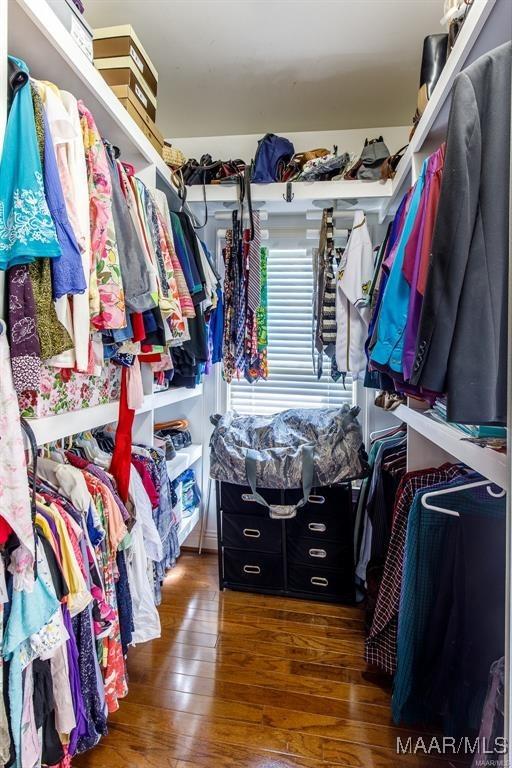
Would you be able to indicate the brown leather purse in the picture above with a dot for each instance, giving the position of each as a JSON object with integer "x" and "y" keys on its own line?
{"x": 390, "y": 164}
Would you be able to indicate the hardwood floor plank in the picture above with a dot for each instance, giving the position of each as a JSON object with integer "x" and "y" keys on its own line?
{"x": 237, "y": 625}
{"x": 241, "y": 680}
{"x": 278, "y": 676}
{"x": 196, "y": 704}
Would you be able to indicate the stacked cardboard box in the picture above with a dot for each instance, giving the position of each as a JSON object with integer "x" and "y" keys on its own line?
{"x": 126, "y": 67}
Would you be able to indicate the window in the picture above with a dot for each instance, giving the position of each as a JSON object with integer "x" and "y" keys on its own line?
{"x": 292, "y": 382}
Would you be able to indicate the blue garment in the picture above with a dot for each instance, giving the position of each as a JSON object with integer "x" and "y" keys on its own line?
{"x": 426, "y": 534}
{"x": 30, "y": 612}
{"x": 27, "y": 231}
{"x": 184, "y": 257}
{"x": 388, "y": 350}
{"x": 67, "y": 270}
{"x": 216, "y": 329}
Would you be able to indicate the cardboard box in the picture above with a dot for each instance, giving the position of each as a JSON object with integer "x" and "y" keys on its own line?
{"x": 126, "y": 76}
{"x": 125, "y": 94}
{"x": 146, "y": 125}
{"x": 121, "y": 41}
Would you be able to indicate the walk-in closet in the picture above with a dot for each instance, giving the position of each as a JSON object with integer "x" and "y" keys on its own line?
{"x": 255, "y": 345}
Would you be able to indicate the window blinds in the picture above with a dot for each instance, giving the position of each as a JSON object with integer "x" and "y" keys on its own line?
{"x": 292, "y": 382}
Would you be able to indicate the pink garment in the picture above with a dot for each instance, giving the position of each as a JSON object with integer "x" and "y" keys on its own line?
{"x": 147, "y": 482}
{"x": 14, "y": 490}
{"x": 106, "y": 285}
{"x": 134, "y": 386}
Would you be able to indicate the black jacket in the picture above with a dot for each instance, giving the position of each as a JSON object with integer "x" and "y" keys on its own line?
{"x": 462, "y": 339}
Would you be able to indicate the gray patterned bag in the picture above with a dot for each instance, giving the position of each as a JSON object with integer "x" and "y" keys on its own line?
{"x": 275, "y": 444}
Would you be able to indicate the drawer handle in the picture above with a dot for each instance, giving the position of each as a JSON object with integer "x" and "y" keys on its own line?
{"x": 319, "y": 581}
{"x": 314, "y": 499}
{"x": 252, "y": 569}
{"x": 247, "y": 497}
{"x": 317, "y": 527}
{"x": 317, "y": 553}
{"x": 252, "y": 533}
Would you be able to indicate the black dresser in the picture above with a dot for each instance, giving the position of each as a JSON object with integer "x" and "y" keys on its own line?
{"x": 309, "y": 556}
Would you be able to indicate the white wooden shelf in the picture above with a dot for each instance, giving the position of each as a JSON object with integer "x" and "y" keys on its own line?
{"x": 52, "y": 428}
{"x": 187, "y": 525}
{"x": 487, "y": 26}
{"x": 37, "y": 36}
{"x": 184, "y": 459}
{"x": 489, "y": 463}
{"x": 175, "y": 395}
{"x": 303, "y": 191}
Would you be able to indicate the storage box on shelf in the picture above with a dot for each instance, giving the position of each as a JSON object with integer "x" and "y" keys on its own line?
{"x": 36, "y": 35}
{"x": 121, "y": 43}
{"x": 136, "y": 110}
{"x": 76, "y": 25}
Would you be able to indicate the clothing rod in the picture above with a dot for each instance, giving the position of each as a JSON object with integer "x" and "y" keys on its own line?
{"x": 228, "y": 216}
{"x": 313, "y": 234}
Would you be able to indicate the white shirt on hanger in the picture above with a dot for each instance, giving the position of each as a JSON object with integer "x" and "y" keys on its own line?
{"x": 352, "y": 306}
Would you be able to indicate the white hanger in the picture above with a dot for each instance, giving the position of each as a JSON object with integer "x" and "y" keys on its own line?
{"x": 392, "y": 432}
{"x": 442, "y": 492}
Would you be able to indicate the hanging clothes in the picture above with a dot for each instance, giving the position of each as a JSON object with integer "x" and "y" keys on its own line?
{"x": 30, "y": 233}
{"x": 352, "y": 298}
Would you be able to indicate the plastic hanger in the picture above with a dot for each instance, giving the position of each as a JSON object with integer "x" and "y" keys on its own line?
{"x": 442, "y": 492}
{"x": 391, "y": 431}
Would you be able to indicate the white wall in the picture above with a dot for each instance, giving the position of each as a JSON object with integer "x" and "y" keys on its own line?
{"x": 244, "y": 146}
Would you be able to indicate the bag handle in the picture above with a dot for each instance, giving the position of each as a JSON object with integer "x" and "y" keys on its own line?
{"x": 281, "y": 511}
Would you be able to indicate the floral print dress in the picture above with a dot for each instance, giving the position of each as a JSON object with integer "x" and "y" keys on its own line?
{"x": 107, "y": 301}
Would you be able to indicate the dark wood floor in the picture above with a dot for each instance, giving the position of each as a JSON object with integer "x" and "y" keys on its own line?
{"x": 249, "y": 681}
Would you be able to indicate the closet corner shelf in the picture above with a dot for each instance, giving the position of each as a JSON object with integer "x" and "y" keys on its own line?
{"x": 489, "y": 463}
{"x": 187, "y": 526}
{"x": 175, "y": 395}
{"x": 184, "y": 459}
{"x": 51, "y": 428}
{"x": 37, "y": 36}
{"x": 486, "y": 27}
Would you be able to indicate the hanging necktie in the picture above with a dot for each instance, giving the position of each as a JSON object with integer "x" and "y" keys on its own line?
{"x": 254, "y": 268}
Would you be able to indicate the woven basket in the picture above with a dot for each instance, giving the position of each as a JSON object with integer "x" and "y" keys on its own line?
{"x": 173, "y": 157}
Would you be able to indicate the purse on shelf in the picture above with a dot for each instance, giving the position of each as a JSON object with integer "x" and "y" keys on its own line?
{"x": 173, "y": 157}
{"x": 390, "y": 164}
{"x": 368, "y": 167}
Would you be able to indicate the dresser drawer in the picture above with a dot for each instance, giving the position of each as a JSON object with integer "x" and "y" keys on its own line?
{"x": 322, "y": 582}
{"x": 235, "y": 498}
{"x": 253, "y": 569}
{"x": 317, "y": 523}
{"x": 252, "y": 532}
{"x": 331, "y": 499}
{"x": 326, "y": 554}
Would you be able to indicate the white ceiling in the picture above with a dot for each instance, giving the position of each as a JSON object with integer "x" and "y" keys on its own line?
{"x": 252, "y": 66}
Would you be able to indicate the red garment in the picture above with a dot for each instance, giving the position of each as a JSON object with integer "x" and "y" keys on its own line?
{"x": 139, "y": 333}
{"x": 147, "y": 482}
{"x": 5, "y": 530}
{"x": 120, "y": 466}
{"x": 77, "y": 461}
